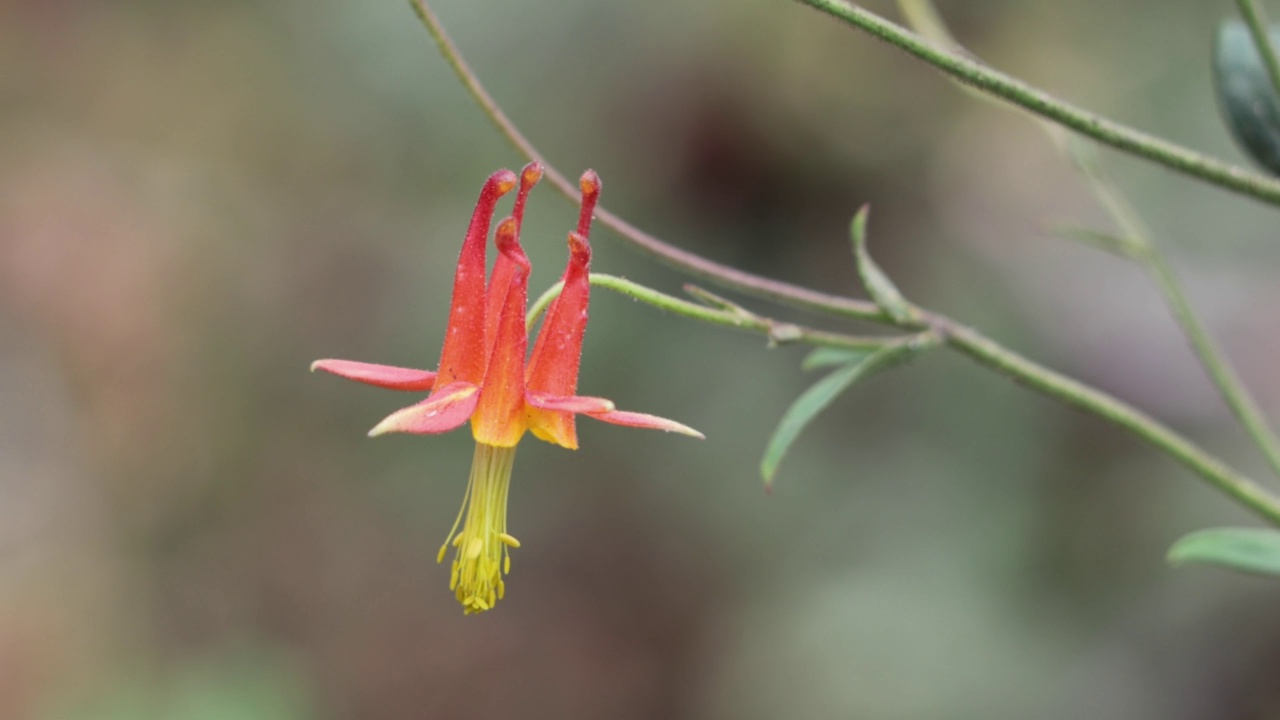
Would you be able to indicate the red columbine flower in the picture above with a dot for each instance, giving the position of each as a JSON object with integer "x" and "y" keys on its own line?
{"x": 483, "y": 377}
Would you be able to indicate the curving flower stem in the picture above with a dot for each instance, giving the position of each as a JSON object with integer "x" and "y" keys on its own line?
{"x": 1256, "y": 18}
{"x": 960, "y": 338}
{"x": 727, "y": 315}
{"x": 1010, "y": 89}
{"x": 686, "y": 261}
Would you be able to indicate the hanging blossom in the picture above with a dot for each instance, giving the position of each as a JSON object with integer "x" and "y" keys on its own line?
{"x": 484, "y": 377}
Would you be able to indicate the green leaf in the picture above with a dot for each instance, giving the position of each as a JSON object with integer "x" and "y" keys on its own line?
{"x": 878, "y": 285}
{"x": 1106, "y": 242}
{"x": 1251, "y": 550}
{"x": 830, "y": 356}
{"x": 710, "y": 299}
{"x": 817, "y": 398}
{"x": 1248, "y": 103}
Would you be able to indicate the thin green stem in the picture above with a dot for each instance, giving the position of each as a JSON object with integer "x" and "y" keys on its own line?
{"x": 1256, "y": 18}
{"x": 1054, "y": 384}
{"x": 1136, "y": 243}
{"x": 1233, "y": 390}
{"x": 1145, "y": 252}
{"x": 688, "y": 262}
{"x": 738, "y": 319}
{"x": 1108, "y": 132}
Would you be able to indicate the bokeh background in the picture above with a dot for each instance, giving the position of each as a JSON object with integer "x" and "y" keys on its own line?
{"x": 197, "y": 199}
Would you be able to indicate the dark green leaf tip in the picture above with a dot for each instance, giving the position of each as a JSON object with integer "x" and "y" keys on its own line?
{"x": 1245, "y": 95}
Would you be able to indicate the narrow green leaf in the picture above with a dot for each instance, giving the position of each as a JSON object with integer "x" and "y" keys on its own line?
{"x": 1106, "y": 242}
{"x": 878, "y": 285}
{"x": 1251, "y": 550}
{"x": 830, "y": 357}
{"x": 821, "y": 394}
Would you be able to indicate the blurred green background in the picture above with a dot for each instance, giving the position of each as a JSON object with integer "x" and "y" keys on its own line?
{"x": 197, "y": 199}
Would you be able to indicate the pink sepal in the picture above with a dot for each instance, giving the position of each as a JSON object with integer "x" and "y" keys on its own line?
{"x": 641, "y": 420}
{"x": 383, "y": 376}
{"x": 568, "y": 403}
{"x": 446, "y": 409}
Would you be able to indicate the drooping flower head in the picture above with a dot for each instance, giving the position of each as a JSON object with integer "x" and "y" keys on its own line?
{"x": 483, "y": 377}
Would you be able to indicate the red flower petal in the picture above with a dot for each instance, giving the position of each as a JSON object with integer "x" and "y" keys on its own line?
{"x": 590, "y": 186}
{"x": 641, "y": 420}
{"x": 448, "y": 407}
{"x": 463, "y": 356}
{"x": 503, "y": 268}
{"x": 384, "y": 376}
{"x": 499, "y": 417}
{"x": 570, "y": 404}
{"x": 529, "y": 176}
{"x": 557, "y": 353}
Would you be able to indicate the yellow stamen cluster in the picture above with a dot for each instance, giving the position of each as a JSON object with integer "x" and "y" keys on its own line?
{"x": 482, "y": 554}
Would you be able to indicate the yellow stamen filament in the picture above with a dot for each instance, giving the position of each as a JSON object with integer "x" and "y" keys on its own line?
{"x": 482, "y": 554}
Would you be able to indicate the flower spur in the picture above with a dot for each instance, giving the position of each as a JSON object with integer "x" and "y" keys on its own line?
{"x": 483, "y": 377}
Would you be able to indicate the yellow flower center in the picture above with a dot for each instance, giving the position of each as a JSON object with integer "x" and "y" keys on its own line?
{"x": 482, "y": 554}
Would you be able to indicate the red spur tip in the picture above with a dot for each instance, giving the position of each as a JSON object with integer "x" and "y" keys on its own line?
{"x": 529, "y": 177}
{"x": 589, "y": 183}
{"x": 507, "y": 238}
{"x": 579, "y": 252}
